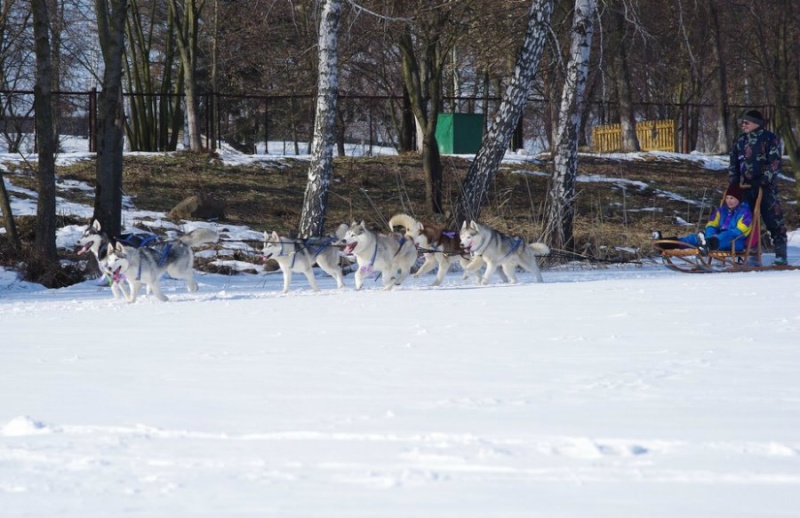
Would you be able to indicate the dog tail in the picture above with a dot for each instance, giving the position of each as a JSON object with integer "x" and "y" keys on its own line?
{"x": 200, "y": 236}
{"x": 402, "y": 220}
{"x": 539, "y": 248}
{"x": 341, "y": 230}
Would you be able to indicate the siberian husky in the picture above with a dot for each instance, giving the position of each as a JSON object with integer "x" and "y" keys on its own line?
{"x": 146, "y": 265}
{"x": 392, "y": 256}
{"x": 300, "y": 255}
{"x": 497, "y": 249}
{"x": 96, "y": 241}
{"x": 437, "y": 246}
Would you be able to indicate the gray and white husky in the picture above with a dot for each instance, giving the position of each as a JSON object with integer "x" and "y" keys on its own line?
{"x": 146, "y": 265}
{"x": 293, "y": 255}
{"x": 494, "y": 248}
{"x": 392, "y": 256}
{"x": 96, "y": 241}
{"x": 437, "y": 246}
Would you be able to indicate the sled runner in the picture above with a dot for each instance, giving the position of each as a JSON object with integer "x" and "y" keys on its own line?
{"x": 682, "y": 257}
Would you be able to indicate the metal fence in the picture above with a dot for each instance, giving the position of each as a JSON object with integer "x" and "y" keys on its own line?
{"x": 248, "y": 122}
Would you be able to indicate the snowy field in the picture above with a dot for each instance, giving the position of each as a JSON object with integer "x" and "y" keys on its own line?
{"x": 619, "y": 392}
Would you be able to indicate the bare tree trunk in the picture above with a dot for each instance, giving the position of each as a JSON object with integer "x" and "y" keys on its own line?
{"x": 8, "y": 217}
{"x": 560, "y": 206}
{"x": 723, "y": 104}
{"x": 627, "y": 119}
{"x": 187, "y": 17}
{"x": 46, "y": 256}
{"x": 110, "y": 118}
{"x": 423, "y": 80}
{"x": 315, "y": 203}
{"x": 495, "y": 142}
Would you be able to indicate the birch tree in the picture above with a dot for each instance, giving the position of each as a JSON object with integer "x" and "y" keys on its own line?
{"x": 45, "y": 260}
{"x": 495, "y": 142}
{"x": 315, "y": 202}
{"x": 110, "y": 119}
{"x": 560, "y": 203}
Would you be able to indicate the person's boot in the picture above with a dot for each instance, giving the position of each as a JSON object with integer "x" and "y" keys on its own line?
{"x": 780, "y": 255}
{"x": 702, "y": 245}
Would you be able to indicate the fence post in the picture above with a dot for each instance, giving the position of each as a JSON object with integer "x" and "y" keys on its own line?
{"x": 266, "y": 126}
{"x": 93, "y": 120}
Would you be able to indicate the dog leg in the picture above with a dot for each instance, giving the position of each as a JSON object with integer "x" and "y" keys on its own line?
{"x": 332, "y": 269}
{"x": 156, "y": 289}
{"x": 533, "y": 268}
{"x": 427, "y": 266}
{"x": 287, "y": 278}
{"x": 444, "y": 267}
{"x": 359, "y": 277}
{"x": 487, "y": 275}
{"x": 510, "y": 270}
{"x": 135, "y": 287}
{"x": 311, "y": 280}
{"x": 464, "y": 262}
{"x": 388, "y": 280}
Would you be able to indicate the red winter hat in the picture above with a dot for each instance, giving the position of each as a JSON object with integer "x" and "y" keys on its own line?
{"x": 735, "y": 191}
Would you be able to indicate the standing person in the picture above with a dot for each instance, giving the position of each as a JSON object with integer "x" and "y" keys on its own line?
{"x": 755, "y": 162}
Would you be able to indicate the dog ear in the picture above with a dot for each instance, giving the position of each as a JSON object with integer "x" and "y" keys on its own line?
{"x": 96, "y": 225}
{"x": 119, "y": 247}
{"x": 275, "y": 236}
{"x": 464, "y": 225}
{"x": 362, "y": 224}
{"x": 266, "y": 236}
{"x": 473, "y": 225}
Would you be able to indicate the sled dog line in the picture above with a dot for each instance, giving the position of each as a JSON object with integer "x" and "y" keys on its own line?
{"x": 388, "y": 257}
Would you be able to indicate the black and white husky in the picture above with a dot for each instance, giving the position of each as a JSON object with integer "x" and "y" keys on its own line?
{"x": 391, "y": 256}
{"x": 300, "y": 255}
{"x": 493, "y": 248}
{"x": 146, "y": 265}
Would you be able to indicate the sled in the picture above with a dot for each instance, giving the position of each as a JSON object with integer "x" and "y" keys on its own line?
{"x": 688, "y": 259}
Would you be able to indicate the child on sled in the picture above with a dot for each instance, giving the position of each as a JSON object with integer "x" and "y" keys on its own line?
{"x": 729, "y": 221}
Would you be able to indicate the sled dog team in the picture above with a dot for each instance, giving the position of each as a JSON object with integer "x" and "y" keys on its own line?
{"x": 127, "y": 266}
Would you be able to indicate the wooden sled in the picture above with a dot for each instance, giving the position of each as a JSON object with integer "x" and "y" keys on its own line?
{"x": 687, "y": 259}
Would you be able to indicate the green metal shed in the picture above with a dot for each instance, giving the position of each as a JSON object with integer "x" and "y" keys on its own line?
{"x": 459, "y": 133}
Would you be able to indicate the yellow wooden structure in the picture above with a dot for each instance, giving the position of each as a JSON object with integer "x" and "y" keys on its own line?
{"x": 657, "y": 135}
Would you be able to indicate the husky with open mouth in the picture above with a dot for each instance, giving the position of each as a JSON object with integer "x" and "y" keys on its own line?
{"x": 96, "y": 241}
{"x": 146, "y": 265}
{"x": 391, "y": 256}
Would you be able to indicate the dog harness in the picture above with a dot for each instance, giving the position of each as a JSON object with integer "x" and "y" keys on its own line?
{"x": 368, "y": 268}
{"x": 516, "y": 244}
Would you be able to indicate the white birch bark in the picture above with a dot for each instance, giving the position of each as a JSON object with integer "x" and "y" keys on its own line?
{"x": 560, "y": 205}
{"x": 495, "y": 142}
{"x": 315, "y": 202}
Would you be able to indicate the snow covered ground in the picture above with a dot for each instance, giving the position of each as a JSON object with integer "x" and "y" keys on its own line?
{"x": 618, "y": 392}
